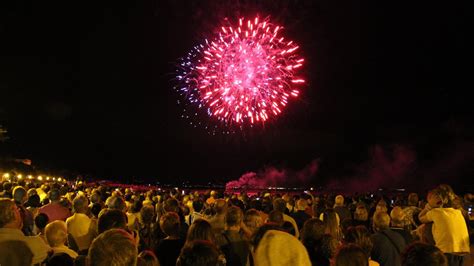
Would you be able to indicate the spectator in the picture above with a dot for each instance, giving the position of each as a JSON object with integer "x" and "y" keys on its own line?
{"x": 231, "y": 241}
{"x": 79, "y": 224}
{"x": 280, "y": 248}
{"x": 111, "y": 219}
{"x": 54, "y": 209}
{"x": 20, "y": 197}
{"x": 147, "y": 258}
{"x": 351, "y": 255}
{"x": 198, "y": 253}
{"x": 399, "y": 224}
{"x": 449, "y": 227}
{"x": 41, "y": 220}
{"x": 411, "y": 209}
{"x": 341, "y": 210}
{"x": 300, "y": 215}
{"x": 387, "y": 244}
{"x": 423, "y": 254}
{"x": 252, "y": 220}
{"x": 56, "y": 235}
{"x": 168, "y": 249}
{"x": 279, "y": 204}
{"x": 359, "y": 235}
{"x": 113, "y": 247}
{"x": 276, "y": 217}
{"x": 218, "y": 220}
{"x": 10, "y": 229}
{"x": 19, "y": 253}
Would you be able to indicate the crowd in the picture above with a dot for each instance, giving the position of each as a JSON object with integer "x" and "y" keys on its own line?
{"x": 74, "y": 224}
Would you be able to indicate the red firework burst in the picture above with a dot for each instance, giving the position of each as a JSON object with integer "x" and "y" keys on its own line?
{"x": 246, "y": 74}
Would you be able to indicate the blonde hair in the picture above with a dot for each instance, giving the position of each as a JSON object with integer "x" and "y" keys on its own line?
{"x": 114, "y": 247}
{"x": 56, "y": 233}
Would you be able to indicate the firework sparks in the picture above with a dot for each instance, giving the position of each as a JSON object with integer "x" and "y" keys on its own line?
{"x": 246, "y": 74}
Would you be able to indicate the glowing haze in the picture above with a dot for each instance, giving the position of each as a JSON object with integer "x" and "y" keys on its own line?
{"x": 246, "y": 74}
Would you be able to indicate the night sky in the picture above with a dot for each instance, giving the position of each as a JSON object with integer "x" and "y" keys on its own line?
{"x": 87, "y": 86}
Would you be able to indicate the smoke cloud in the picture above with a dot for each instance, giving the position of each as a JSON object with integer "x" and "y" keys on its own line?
{"x": 274, "y": 177}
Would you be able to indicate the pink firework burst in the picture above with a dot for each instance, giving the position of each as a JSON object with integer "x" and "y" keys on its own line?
{"x": 246, "y": 74}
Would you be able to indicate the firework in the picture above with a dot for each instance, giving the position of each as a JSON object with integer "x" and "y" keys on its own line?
{"x": 245, "y": 75}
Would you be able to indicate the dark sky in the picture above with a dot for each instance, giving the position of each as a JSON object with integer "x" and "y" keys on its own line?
{"x": 87, "y": 86}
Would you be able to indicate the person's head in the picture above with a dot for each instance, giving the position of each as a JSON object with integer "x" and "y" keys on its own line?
{"x": 276, "y": 217}
{"x": 301, "y": 205}
{"x": 253, "y": 220}
{"x": 41, "y": 220}
{"x": 361, "y": 213}
{"x": 95, "y": 209}
{"x": 19, "y": 195}
{"x": 198, "y": 205}
{"x": 54, "y": 195}
{"x": 398, "y": 217}
{"x": 147, "y": 213}
{"x": 137, "y": 205}
{"x": 423, "y": 254}
{"x": 435, "y": 198}
{"x": 331, "y": 221}
{"x": 170, "y": 224}
{"x": 381, "y": 206}
{"x": 9, "y": 215}
{"x": 200, "y": 229}
{"x": 147, "y": 258}
{"x": 233, "y": 217}
{"x": 359, "y": 235}
{"x": 280, "y": 248}
{"x": 80, "y": 204}
{"x": 34, "y": 201}
{"x": 171, "y": 205}
{"x": 115, "y": 247}
{"x": 19, "y": 253}
{"x": 109, "y": 219}
{"x": 279, "y": 204}
{"x": 220, "y": 206}
{"x": 339, "y": 200}
{"x": 381, "y": 221}
{"x": 312, "y": 231}
{"x": 56, "y": 233}
{"x": 413, "y": 199}
{"x": 351, "y": 255}
{"x": 116, "y": 203}
{"x": 198, "y": 253}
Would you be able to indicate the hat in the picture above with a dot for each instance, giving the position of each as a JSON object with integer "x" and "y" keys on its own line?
{"x": 280, "y": 248}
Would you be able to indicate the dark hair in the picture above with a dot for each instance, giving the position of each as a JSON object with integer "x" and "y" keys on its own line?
{"x": 60, "y": 259}
{"x": 41, "y": 220}
{"x": 170, "y": 224}
{"x": 95, "y": 209}
{"x": 198, "y": 205}
{"x": 276, "y": 217}
{"x": 137, "y": 205}
{"x": 279, "y": 204}
{"x": 351, "y": 255}
{"x": 423, "y": 254}
{"x": 198, "y": 253}
{"x": 233, "y": 216}
{"x": 359, "y": 235}
{"x": 200, "y": 229}
{"x": 112, "y": 219}
{"x": 262, "y": 230}
{"x": 289, "y": 228}
{"x": 312, "y": 231}
{"x": 33, "y": 201}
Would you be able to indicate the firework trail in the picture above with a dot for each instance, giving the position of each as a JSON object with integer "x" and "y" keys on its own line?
{"x": 245, "y": 75}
